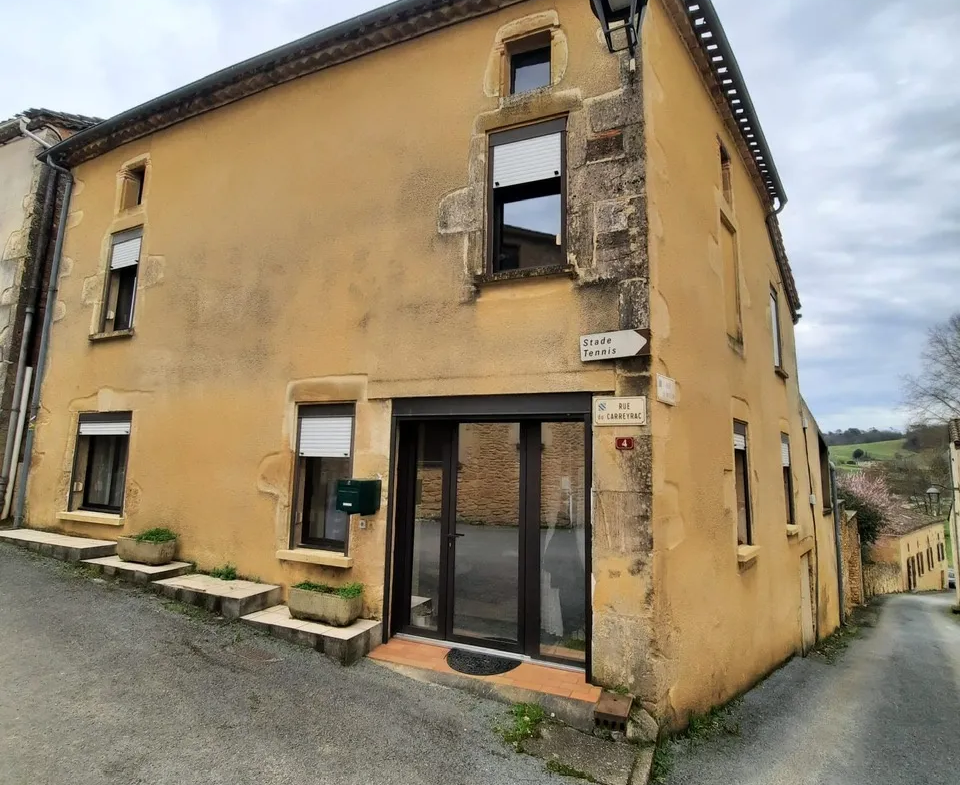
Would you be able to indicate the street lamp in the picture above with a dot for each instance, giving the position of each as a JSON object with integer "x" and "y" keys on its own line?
{"x": 621, "y": 19}
{"x": 933, "y": 497}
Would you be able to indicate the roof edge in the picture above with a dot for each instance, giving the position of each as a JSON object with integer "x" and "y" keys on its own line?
{"x": 378, "y": 29}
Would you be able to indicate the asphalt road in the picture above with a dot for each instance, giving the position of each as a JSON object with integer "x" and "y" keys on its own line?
{"x": 104, "y": 683}
{"x": 886, "y": 713}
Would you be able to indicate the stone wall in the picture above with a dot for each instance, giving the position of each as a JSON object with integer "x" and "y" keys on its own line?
{"x": 853, "y": 591}
{"x": 881, "y": 578}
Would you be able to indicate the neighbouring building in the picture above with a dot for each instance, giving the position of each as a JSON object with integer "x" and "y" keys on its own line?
{"x": 29, "y": 203}
{"x": 378, "y": 253}
{"x": 916, "y": 545}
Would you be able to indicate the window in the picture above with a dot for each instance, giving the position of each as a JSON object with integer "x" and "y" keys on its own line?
{"x": 744, "y": 528}
{"x": 825, "y": 485}
{"x": 919, "y": 560}
{"x": 731, "y": 280}
{"x": 324, "y": 447}
{"x": 121, "y": 292}
{"x": 787, "y": 477}
{"x": 529, "y": 70}
{"x": 726, "y": 179}
{"x": 775, "y": 329}
{"x": 133, "y": 182}
{"x": 930, "y": 558}
{"x": 527, "y": 208}
{"x": 100, "y": 462}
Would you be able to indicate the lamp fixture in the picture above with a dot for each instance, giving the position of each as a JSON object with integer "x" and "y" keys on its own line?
{"x": 621, "y": 21}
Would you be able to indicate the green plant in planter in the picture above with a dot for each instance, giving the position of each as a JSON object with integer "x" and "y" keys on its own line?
{"x": 156, "y": 535}
{"x": 347, "y": 592}
{"x": 225, "y": 573}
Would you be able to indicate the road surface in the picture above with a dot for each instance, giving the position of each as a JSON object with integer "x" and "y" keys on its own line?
{"x": 886, "y": 713}
{"x": 104, "y": 683}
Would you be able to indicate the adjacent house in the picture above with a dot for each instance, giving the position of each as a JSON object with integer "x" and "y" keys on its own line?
{"x": 954, "y": 519}
{"x": 29, "y": 204}
{"x": 516, "y": 270}
{"x": 915, "y": 543}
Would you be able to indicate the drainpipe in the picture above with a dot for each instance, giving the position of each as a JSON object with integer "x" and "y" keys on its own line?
{"x": 18, "y": 410}
{"x": 45, "y": 331}
{"x": 836, "y": 528}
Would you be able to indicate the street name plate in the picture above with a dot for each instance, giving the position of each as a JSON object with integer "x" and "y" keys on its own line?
{"x": 619, "y": 411}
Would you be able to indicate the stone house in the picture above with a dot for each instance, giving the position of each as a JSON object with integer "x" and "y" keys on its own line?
{"x": 395, "y": 250}
{"x": 915, "y": 545}
{"x": 29, "y": 204}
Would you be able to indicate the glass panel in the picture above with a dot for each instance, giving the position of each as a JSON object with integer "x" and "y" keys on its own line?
{"x": 531, "y": 70}
{"x": 323, "y": 523}
{"x": 100, "y": 470}
{"x": 119, "y": 472}
{"x": 427, "y": 529}
{"x": 743, "y": 509}
{"x": 563, "y": 630}
{"x": 530, "y": 227}
{"x": 486, "y": 578}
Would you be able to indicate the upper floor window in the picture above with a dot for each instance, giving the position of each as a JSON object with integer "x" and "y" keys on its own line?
{"x": 775, "y": 329}
{"x": 742, "y": 478}
{"x": 100, "y": 462}
{"x": 526, "y": 197}
{"x": 121, "y": 292}
{"x": 325, "y": 449}
{"x": 529, "y": 63}
{"x": 726, "y": 176}
{"x": 787, "y": 477}
{"x": 133, "y": 183}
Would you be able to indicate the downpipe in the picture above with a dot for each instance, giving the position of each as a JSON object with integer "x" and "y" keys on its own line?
{"x": 48, "y": 312}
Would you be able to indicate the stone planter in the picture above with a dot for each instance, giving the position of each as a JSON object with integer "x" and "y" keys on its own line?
{"x": 152, "y": 553}
{"x": 324, "y": 608}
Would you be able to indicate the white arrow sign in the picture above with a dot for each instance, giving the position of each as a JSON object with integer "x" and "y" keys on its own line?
{"x": 612, "y": 346}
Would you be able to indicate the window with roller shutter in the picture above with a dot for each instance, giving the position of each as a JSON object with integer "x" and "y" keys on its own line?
{"x": 121, "y": 292}
{"x": 526, "y": 197}
{"x": 742, "y": 479}
{"x": 100, "y": 462}
{"x": 324, "y": 457}
{"x": 787, "y": 478}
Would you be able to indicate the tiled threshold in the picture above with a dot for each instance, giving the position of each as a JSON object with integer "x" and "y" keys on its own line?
{"x": 560, "y": 691}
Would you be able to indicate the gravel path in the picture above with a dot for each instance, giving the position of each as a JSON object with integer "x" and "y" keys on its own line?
{"x": 104, "y": 683}
{"x": 887, "y": 713}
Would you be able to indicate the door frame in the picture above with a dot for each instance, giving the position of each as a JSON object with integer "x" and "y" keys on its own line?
{"x": 545, "y": 407}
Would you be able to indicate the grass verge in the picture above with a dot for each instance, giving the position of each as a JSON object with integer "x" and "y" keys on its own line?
{"x": 564, "y": 770}
{"x": 523, "y": 723}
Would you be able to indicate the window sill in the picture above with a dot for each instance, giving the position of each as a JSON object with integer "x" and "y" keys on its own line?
{"x": 793, "y": 531}
{"x": 781, "y": 373}
{"x": 529, "y": 272}
{"x": 806, "y": 544}
{"x": 111, "y": 336}
{"x": 323, "y": 558}
{"x": 747, "y": 555}
{"x": 100, "y": 518}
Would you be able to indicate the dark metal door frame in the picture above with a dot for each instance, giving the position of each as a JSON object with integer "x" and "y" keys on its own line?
{"x": 530, "y": 411}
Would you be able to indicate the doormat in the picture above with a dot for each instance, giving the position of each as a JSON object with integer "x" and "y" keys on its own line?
{"x": 474, "y": 664}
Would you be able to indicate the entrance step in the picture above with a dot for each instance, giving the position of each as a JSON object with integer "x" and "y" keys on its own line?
{"x": 231, "y": 599}
{"x": 562, "y": 692}
{"x": 345, "y": 645}
{"x": 138, "y": 573}
{"x": 59, "y": 546}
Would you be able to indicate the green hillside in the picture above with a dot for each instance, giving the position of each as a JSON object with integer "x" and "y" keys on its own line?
{"x": 878, "y": 451}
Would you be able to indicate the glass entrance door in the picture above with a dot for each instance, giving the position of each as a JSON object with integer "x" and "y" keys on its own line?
{"x": 491, "y": 543}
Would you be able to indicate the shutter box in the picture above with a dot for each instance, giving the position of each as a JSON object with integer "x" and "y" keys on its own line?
{"x": 105, "y": 428}
{"x": 527, "y": 161}
{"x": 126, "y": 250}
{"x": 326, "y": 437}
{"x": 785, "y": 452}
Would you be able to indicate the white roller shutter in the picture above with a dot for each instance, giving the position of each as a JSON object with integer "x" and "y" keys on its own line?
{"x": 114, "y": 428}
{"x": 326, "y": 437}
{"x": 785, "y": 452}
{"x": 739, "y": 441}
{"x": 125, "y": 253}
{"x": 527, "y": 161}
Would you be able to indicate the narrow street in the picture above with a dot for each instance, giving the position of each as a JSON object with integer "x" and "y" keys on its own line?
{"x": 104, "y": 683}
{"x": 886, "y": 712}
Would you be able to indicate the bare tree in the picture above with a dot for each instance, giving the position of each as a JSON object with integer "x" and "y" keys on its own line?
{"x": 934, "y": 395}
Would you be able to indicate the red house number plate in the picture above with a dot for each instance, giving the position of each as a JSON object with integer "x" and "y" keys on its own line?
{"x": 625, "y": 443}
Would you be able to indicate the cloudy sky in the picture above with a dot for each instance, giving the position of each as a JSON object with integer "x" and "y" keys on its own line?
{"x": 859, "y": 99}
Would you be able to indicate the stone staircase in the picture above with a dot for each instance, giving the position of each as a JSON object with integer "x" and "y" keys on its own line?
{"x": 256, "y": 604}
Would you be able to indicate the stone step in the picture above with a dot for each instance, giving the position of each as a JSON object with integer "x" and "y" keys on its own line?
{"x": 231, "y": 599}
{"x": 59, "y": 546}
{"x": 138, "y": 573}
{"x": 345, "y": 645}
